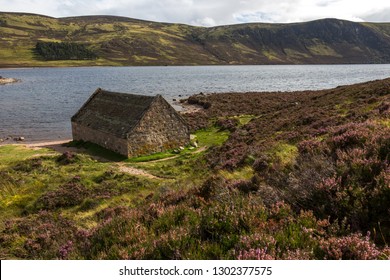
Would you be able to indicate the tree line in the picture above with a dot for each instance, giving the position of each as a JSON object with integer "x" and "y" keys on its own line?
{"x": 63, "y": 51}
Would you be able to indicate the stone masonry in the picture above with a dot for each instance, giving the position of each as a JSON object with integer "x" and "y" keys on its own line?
{"x": 131, "y": 125}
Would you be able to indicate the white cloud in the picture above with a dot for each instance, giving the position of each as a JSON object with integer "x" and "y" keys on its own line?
{"x": 378, "y": 16}
{"x": 207, "y": 21}
{"x": 206, "y": 12}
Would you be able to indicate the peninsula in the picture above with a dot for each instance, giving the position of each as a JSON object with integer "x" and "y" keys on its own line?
{"x": 4, "y": 81}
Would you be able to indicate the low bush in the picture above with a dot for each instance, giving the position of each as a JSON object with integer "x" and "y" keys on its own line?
{"x": 40, "y": 236}
{"x": 70, "y": 194}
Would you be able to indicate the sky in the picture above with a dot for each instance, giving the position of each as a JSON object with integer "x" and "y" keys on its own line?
{"x": 210, "y": 12}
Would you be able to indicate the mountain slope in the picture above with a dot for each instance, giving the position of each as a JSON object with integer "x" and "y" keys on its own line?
{"x": 125, "y": 41}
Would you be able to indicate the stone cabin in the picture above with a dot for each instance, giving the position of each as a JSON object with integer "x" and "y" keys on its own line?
{"x": 129, "y": 124}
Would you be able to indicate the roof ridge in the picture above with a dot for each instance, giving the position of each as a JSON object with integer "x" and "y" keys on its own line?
{"x": 127, "y": 94}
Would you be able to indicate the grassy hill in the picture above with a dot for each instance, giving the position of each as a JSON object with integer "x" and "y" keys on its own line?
{"x": 125, "y": 41}
{"x": 301, "y": 175}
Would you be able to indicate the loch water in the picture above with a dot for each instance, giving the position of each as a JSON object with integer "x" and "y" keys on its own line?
{"x": 41, "y": 105}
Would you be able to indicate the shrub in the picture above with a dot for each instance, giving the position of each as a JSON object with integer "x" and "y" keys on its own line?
{"x": 70, "y": 194}
{"x": 43, "y": 236}
{"x": 199, "y": 99}
{"x": 119, "y": 234}
{"x": 210, "y": 187}
{"x": 351, "y": 247}
{"x": 68, "y": 158}
{"x": 227, "y": 123}
{"x": 246, "y": 186}
{"x": 30, "y": 165}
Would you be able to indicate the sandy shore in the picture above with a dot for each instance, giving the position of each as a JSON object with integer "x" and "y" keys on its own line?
{"x": 45, "y": 143}
{"x": 53, "y": 145}
{"x": 56, "y": 145}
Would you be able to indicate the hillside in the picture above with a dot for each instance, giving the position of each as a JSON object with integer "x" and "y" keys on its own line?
{"x": 125, "y": 41}
{"x": 301, "y": 175}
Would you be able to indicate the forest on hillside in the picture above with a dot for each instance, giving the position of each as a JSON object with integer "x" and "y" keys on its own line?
{"x": 63, "y": 51}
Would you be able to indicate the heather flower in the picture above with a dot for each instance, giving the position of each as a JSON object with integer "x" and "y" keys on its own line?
{"x": 254, "y": 254}
{"x": 65, "y": 250}
{"x": 310, "y": 146}
{"x": 352, "y": 247}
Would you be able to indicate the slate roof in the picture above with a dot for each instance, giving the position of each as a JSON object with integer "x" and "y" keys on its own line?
{"x": 113, "y": 112}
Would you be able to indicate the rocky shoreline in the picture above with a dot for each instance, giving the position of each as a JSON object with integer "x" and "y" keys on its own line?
{"x": 4, "y": 81}
{"x": 21, "y": 140}
{"x": 11, "y": 140}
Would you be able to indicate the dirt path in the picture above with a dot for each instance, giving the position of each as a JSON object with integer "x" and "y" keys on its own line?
{"x": 136, "y": 171}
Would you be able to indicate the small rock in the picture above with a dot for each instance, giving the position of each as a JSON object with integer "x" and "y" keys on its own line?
{"x": 191, "y": 148}
{"x": 194, "y": 144}
{"x": 21, "y": 138}
{"x": 181, "y": 148}
{"x": 1, "y": 140}
{"x": 174, "y": 99}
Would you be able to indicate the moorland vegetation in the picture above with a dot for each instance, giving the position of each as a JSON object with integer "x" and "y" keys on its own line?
{"x": 301, "y": 175}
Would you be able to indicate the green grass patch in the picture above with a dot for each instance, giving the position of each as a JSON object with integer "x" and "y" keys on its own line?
{"x": 320, "y": 49}
{"x": 244, "y": 173}
{"x": 245, "y": 119}
{"x": 184, "y": 166}
{"x": 212, "y": 136}
{"x": 283, "y": 152}
{"x": 384, "y": 122}
{"x": 152, "y": 157}
{"x": 271, "y": 55}
{"x": 13, "y": 153}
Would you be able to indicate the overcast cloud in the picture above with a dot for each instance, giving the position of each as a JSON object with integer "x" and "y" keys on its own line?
{"x": 210, "y": 12}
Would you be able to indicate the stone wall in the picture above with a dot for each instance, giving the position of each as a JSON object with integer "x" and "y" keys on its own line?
{"x": 108, "y": 141}
{"x": 160, "y": 129}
